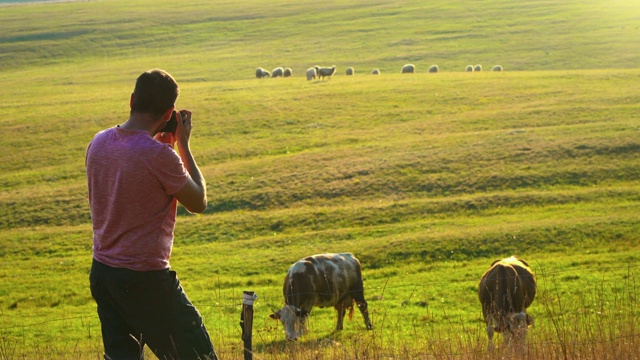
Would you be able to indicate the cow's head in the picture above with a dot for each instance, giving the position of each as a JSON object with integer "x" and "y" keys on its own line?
{"x": 293, "y": 319}
{"x": 517, "y": 328}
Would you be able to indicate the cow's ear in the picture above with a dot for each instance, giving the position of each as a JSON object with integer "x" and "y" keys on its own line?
{"x": 275, "y": 315}
{"x": 529, "y": 320}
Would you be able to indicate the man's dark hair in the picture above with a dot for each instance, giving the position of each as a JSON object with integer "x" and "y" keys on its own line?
{"x": 156, "y": 92}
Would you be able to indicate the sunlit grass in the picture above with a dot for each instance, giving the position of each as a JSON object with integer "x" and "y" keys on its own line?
{"x": 426, "y": 178}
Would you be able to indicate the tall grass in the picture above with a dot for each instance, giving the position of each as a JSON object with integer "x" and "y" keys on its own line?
{"x": 597, "y": 322}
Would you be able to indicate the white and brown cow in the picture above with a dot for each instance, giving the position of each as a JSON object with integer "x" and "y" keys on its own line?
{"x": 321, "y": 280}
{"x": 506, "y": 290}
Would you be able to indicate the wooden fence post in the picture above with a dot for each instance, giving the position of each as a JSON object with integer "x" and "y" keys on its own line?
{"x": 246, "y": 322}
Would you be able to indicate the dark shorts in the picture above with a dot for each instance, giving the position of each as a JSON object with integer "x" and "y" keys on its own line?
{"x": 138, "y": 308}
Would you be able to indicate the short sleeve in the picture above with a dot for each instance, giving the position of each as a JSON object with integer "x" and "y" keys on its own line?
{"x": 170, "y": 170}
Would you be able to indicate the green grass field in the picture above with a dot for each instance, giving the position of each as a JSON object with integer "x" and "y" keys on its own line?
{"x": 426, "y": 178}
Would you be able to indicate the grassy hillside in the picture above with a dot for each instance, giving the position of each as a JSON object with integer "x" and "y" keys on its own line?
{"x": 227, "y": 40}
{"x": 427, "y": 178}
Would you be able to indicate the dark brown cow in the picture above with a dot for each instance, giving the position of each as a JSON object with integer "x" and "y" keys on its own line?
{"x": 321, "y": 280}
{"x": 506, "y": 290}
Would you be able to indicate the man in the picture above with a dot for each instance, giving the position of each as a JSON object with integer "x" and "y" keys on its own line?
{"x": 135, "y": 179}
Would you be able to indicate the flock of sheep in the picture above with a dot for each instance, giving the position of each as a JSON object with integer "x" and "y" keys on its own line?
{"x": 318, "y": 72}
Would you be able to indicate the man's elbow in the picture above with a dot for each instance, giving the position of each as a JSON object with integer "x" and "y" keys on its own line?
{"x": 198, "y": 208}
{"x": 193, "y": 197}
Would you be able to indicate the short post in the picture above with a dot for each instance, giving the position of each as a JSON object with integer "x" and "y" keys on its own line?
{"x": 246, "y": 322}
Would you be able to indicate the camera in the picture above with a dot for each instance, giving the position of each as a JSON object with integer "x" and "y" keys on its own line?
{"x": 173, "y": 122}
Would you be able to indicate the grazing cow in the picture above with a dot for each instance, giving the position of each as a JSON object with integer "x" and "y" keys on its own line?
{"x": 506, "y": 290}
{"x": 321, "y": 280}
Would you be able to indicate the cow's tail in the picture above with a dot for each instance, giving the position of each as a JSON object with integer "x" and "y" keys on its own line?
{"x": 504, "y": 302}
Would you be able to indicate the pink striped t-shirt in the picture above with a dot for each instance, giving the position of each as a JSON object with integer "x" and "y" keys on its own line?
{"x": 132, "y": 179}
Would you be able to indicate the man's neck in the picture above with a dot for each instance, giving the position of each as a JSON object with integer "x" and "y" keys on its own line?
{"x": 141, "y": 121}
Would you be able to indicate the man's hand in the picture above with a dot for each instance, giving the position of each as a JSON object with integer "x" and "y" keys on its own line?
{"x": 183, "y": 130}
{"x": 193, "y": 195}
{"x": 166, "y": 138}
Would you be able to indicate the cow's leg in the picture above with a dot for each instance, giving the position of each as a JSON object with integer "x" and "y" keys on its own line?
{"x": 358, "y": 296}
{"x": 490, "y": 330}
{"x": 341, "y": 309}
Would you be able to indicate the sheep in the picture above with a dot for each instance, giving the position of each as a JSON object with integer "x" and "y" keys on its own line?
{"x": 469, "y": 68}
{"x": 277, "y": 72}
{"x": 477, "y": 68}
{"x": 408, "y": 69}
{"x": 312, "y": 73}
{"x": 433, "y": 69}
{"x": 325, "y": 71}
{"x": 350, "y": 71}
{"x": 261, "y": 73}
{"x": 375, "y": 72}
{"x": 497, "y": 68}
{"x": 288, "y": 72}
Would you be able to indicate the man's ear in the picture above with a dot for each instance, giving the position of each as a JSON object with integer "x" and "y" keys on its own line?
{"x": 167, "y": 115}
{"x": 131, "y": 101}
